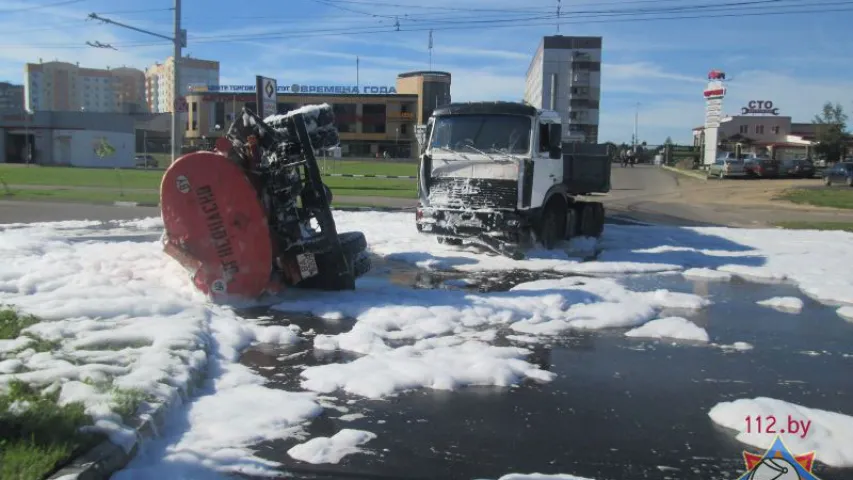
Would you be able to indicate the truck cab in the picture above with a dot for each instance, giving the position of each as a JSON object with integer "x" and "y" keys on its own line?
{"x": 499, "y": 174}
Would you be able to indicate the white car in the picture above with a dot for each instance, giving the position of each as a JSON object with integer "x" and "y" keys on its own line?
{"x": 727, "y": 166}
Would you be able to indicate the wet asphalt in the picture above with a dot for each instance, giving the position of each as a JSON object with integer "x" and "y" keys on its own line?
{"x": 619, "y": 408}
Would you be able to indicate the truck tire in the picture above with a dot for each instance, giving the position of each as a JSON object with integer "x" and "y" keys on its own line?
{"x": 552, "y": 224}
{"x": 571, "y": 223}
{"x": 588, "y": 220}
{"x": 354, "y": 246}
{"x": 599, "y": 218}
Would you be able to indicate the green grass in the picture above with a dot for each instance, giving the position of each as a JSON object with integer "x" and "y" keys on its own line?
{"x": 359, "y": 167}
{"x": 87, "y": 196}
{"x": 41, "y": 438}
{"x": 81, "y": 177}
{"x": 820, "y": 197}
{"x": 13, "y": 321}
{"x": 842, "y": 226}
{"x": 150, "y": 180}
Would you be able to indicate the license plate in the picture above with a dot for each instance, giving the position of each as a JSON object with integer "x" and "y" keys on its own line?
{"x": 307, "y": 265}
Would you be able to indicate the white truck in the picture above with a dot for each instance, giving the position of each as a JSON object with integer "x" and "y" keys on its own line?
{"x": 498, "y": 174}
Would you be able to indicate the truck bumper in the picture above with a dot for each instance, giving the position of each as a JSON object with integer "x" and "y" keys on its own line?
{"x": 502, "y": 225}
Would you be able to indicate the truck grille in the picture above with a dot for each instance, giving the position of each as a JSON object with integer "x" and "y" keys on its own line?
{"x": 473, "y": 193}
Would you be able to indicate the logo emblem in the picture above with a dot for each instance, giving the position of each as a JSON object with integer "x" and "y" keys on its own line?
{"x": 218, "y": 286}
{"x": 183, "y": 184}
{"x": 778, "y": 463}
{"x": 269, "y": 90}
{"x": 294, "y": 88}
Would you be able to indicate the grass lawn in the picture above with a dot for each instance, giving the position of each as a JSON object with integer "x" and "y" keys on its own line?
{"x": 38, "y": 436}
{"x": 843, "y": 226}
{"x": 84, "y": 196}
{"x": 80, "y": 177}
{"x": 150, "y": 179}
{"x": 820, "y": 197}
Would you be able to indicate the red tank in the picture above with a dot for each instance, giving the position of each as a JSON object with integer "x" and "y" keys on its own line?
{"x": 216, "y": 226}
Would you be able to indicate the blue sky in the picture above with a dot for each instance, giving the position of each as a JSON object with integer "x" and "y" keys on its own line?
{"x": 796, "y": 61}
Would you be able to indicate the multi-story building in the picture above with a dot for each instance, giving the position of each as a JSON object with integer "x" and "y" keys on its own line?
{"x": 565, "y": 76}
{"x": 11, "y": 97}
{"x": 158, "y": 81}
{"x": 432, "y": 89}
{"x": 61, "y": 86}
{"x": 369, "y": 124}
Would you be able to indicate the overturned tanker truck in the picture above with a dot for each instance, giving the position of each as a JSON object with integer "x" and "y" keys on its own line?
{"x": 498, "y": 174}
{"x": 253, "y": 216}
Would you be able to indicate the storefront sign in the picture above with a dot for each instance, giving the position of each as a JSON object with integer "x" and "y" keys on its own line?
{"x": 305, "y": 89}
{"x": 757, "y": 107}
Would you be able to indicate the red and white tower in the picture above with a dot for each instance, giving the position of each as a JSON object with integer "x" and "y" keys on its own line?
{"x": 714, "y": 93}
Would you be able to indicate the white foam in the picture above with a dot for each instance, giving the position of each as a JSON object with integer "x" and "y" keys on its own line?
{"x": 845, "y": 313}
{"x": 125, "y": 316}
{"x": 783, "y": 304}
{"x": 706, "y": 274}
{"x": 331, "y": 449}
{"x": 540, "y": 476}
{"x": 670, "y": 327}
{"x": 829, "y": 434}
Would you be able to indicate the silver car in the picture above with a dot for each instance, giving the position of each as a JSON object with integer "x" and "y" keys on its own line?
{"x": 727, "y": 167}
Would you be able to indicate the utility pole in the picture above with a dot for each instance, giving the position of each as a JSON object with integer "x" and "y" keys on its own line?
{"x": 177, "y": 138}
{"x": 179, "y": 40}
{"x": 636, "y": 118}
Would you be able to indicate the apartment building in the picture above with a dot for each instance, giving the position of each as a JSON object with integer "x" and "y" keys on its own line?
{"x": 158, "y": 81}
{"x": 62, "y": 86}
{"x": 565, "y": 76}
{"x": 11, "y": 97}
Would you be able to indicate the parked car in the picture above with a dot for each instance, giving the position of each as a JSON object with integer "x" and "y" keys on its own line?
{"x": 727, "y": 167}
{"x": 798, "y": 167}
{"x": 146, "y": 161}
{"x": 763, "y": 167}
{"x": 841, "y": 173}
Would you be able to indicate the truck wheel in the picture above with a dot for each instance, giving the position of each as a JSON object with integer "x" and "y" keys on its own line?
{"x": 588, "y": 220}
{"x": 598, "y": 208}
{"x": 571, "y": 223}
{"x": 450, "y": 241}
{"x": 354, "y": 246}
{"x": 552, "y": 227}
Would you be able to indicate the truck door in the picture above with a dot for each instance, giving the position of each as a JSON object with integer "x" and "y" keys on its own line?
{"x": 547, "y": 163}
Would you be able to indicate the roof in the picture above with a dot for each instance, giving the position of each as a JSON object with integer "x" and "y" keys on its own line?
{"x": 487, "y": 108}
{"x": 424, "y": 73}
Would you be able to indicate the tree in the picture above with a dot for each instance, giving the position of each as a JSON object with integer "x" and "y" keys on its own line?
{"x": 831, "y": 132}
{"x": 668, "y": 141}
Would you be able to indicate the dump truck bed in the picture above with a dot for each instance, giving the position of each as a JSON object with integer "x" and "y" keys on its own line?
{"x": 586, "y": 168}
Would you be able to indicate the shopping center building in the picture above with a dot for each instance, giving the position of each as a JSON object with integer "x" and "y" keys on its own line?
{"x": 371, "y": 119}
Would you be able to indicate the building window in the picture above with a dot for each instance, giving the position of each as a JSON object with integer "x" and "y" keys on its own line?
{"x": 775, "y": 129}
{"x": 373, "y": 118}
{"x": 744, "y": 129}
{"x": 345, "y": 117}
{"x": 759, "y": 129}
{"x": 404, "y": 129}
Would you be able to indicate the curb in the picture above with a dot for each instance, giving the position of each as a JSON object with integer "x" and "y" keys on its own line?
{"x": 351, "y": 175}
{"x": 106, "y": 458}
{"x": 686, "y": 173}
{"x": 135, "y": 204}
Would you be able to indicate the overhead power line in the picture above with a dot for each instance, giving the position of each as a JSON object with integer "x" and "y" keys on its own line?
{"x": 38, "y": 7}
{"x": 591, "y": 17}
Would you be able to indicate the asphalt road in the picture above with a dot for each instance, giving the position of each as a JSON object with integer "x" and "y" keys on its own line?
{"x": 636, "y": 195}
{"x": 619, "y": 409}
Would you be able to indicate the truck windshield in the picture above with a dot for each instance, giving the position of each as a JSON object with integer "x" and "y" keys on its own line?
{"x": 488, "y": 133}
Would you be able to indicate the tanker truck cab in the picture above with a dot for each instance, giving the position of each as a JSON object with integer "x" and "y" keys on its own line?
{"x": 497, "y": 174}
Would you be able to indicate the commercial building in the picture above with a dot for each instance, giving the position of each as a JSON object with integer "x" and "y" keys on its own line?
{"x": 762, "y": 131}
{"x": 66, "y": 87}
{"x": 68, "y": 138}
{"x": 159, "y": 89}
{"x": 372, "y": 120}
{"x": 11, "y": 97}
{"x": 565, "y": 76}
